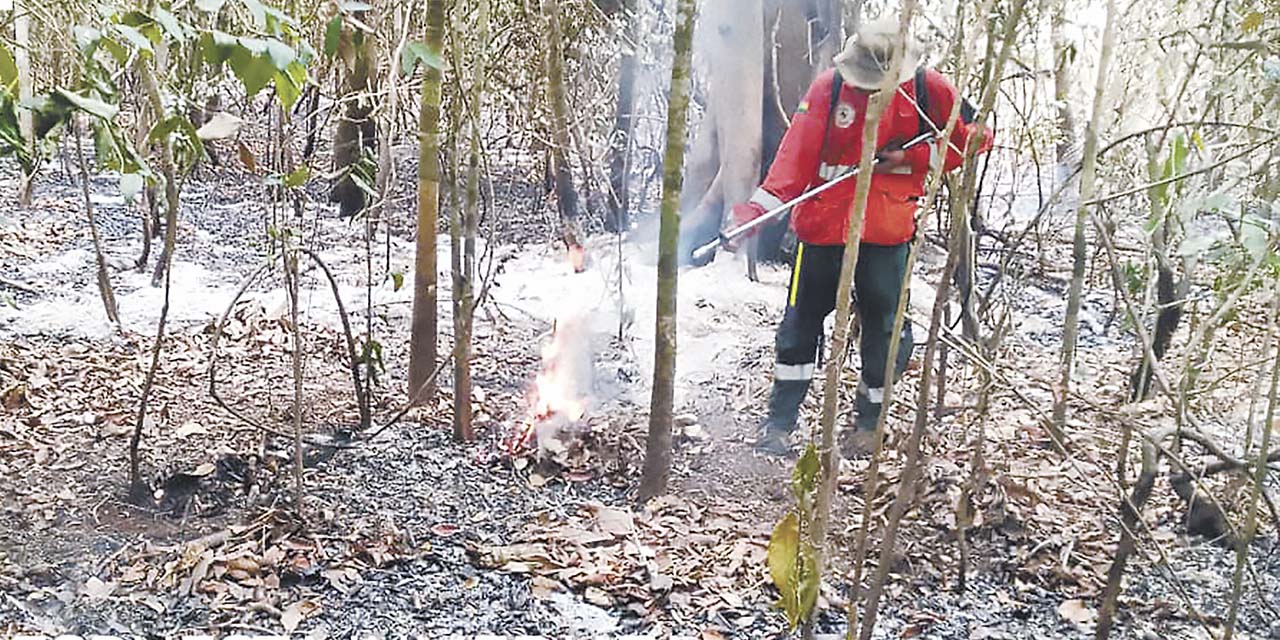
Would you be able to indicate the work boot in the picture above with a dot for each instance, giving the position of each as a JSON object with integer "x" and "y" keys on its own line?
{"x": 856, "y": 443}
{"x": 784, "y": 411}
{"x": 774, "y": 443}
{"x": 867, "y": 407}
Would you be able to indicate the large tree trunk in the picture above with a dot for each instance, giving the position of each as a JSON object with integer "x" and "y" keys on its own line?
{"x": 657, "y": 459}
{"x": 566, "y": 195}
{"x": 764, "y": 54}
{"x": 22, "y": 60}
{"x": 724, "y": 165}
{"x": 623, "y": 124}
{"x": 356, "y": 132}
{"x": 422, "y": 339}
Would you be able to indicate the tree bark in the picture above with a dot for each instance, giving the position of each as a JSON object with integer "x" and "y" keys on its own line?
{"x": 623, "y": 123}
{"x": 657, "y": 459}
{"x": 422, "y": 339}
{"x": 1080, "y": 248}
{"x": 22, "y": 60}
{"x": 465, "y": 255}
{"x": 566, "y": 194}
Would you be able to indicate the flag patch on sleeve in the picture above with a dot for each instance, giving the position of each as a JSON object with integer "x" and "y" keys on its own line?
{"x": 804, "y": 107}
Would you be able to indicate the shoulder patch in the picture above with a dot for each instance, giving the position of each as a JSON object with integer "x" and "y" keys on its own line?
{"x": 804, "y": 107}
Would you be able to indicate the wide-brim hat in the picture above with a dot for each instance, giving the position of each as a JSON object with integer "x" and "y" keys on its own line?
{"x": 868, "y": 53}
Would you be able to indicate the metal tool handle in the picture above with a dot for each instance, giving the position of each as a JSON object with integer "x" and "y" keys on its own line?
{"x": 725, "y": 237}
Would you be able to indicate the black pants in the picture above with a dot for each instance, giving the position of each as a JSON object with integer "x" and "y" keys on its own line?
{"x": 811, "y": 297}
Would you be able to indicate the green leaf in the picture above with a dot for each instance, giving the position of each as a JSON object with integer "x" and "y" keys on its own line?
{"x": 287, "y": 91}
{"x": 130, "y": 185}
{"x": 134, "y": 37}
{"x": 418, "y": 52}
{"x": 86, "y": 38}
{"x": 255, "y": 72}
{"x": 297, "y": 177}
{"x": 805, "y": 477}
{"x": 397, "y": 280}
{"x": 91, "y": 106}
{"x": 332, "y": 35}
{"x": 209, "y": 6}
{"x": 170, "y": 24}
{"x": 281, "y": 54}
{"x": 8, "y": 70}
{"x": 810, "y": 584}
{"x": 218, "y": 47}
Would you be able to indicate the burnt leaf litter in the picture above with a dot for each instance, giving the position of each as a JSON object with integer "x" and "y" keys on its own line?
{"x": 410, "y": 533}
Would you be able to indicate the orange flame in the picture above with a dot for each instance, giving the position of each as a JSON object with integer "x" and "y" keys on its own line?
{"x": 554, "y": 395}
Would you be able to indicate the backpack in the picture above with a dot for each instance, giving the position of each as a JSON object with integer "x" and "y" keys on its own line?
{"x": 927, "y": 125}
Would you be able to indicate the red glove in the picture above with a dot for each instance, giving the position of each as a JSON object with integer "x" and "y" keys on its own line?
{"x": 742, "y": 214}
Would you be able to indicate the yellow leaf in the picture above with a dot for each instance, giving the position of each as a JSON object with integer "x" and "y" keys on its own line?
{"x": 784, "y": 548}
{"x": 1251, "y": 22}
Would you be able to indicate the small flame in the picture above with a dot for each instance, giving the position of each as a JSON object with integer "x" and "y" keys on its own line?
{"x": 578, "y": 258}
{"x": 556, "y": 397}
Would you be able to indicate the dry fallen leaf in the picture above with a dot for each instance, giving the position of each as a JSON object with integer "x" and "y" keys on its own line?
{"x": 615, "y": 521}
{"x": 96, "y": 589}
{"x": 598, "y": 597}
{"x": 542, "y": 587}
{"x": 294, "y": 614}
{"x": 1076, "y": 612}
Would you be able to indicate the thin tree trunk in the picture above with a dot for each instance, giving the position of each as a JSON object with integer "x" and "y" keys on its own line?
{"x": 657, "y": 459}
{"x": 104, "y": 277}
{"x": 566, "y": 195}
{"x": 464, "y": 267}
{"x": 1259, "y": 486}
{"x": 911, "y": 470}
{"x": 624, "y": 123}
{"x": 164, "y": 268}
{"x": 1062, "y": 59}
{"x": 1080, "y": 248}
{"x": 422, "y": 340}
{"x": 844, "y": 296}
{"x": 291, "y": 283}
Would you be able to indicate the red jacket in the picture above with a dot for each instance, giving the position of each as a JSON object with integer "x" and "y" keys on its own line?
{"x": 892, "y": 202}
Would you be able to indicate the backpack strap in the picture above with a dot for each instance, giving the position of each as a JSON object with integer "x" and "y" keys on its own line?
{"x": 837, "y": 83}
{"x": 922, "y": 101}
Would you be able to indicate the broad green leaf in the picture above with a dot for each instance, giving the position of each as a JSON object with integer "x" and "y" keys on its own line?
{"x": 163, "y": 129}
{"x": 134, "y": 37}
{"x": 782, "y": 554}
{"x": 805, "y": 476}
{"x": 287, "y": 91}
{"x": 281, "y": 54}
{"x": 170, "y": 24}
{"x": 86, "y": 38}
{"x": 209, "y": 6}
{"x": 130, "y": 185}
{"x": 255, "y": 72}
{"x": 8, "y": 70}
{"x": 298, "y": 73}
{"x": 332, "y": 35}
{"x": 418, "y": 52}
{"x": 297, "y": 177}
{"x": 810, "y": 584}
{"x": 218, "y": 47}
{"x": 1253, "y": 235}
{"x": 91, "y": 106}
{"x": 256, "y": 46}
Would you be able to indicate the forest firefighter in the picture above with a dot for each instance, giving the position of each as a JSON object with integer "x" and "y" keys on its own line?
{"x": 825, "y": 141}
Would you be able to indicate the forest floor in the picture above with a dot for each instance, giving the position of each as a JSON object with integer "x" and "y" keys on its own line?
{"x": 410, "y": 533}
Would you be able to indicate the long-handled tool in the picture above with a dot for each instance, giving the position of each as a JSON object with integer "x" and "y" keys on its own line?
{"x": 729, "y": 235}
